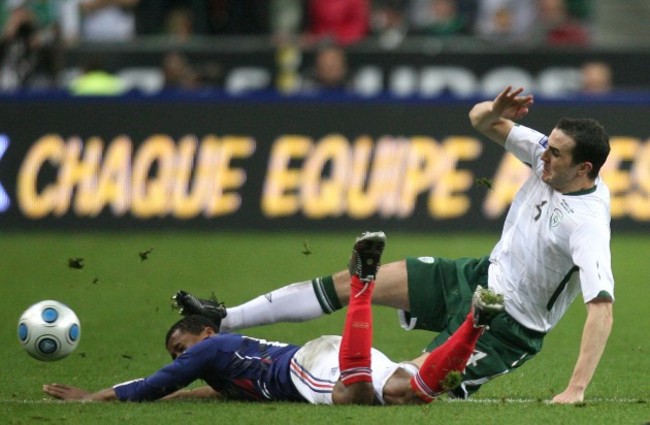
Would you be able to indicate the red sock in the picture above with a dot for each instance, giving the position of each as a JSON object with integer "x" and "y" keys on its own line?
{"x": 354, "y": 354}
{"x": 452, "y": 355}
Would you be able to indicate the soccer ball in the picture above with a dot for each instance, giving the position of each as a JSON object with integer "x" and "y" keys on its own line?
{"x": 49, "y": 330}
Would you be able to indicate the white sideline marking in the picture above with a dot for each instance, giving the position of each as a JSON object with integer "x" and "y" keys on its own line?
{"x": 444, "y": 400}
{"x": 533, "y": 400}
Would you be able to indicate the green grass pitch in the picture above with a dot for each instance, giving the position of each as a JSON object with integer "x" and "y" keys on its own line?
{"x": 124, "y": 307}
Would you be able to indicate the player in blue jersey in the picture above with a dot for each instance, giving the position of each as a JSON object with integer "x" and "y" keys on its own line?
{"x": 327, "y": 370}
{"x": 554, "y": 245}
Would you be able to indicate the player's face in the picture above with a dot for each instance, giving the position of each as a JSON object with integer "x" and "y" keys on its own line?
{"x": 181, "y": 341}
{"x": 559, "y": 171}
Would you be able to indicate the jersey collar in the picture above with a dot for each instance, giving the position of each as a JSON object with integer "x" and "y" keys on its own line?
{"x": 582, "y": 192}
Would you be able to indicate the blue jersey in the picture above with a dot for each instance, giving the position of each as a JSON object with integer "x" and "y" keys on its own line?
{"x": 237, "y": 366}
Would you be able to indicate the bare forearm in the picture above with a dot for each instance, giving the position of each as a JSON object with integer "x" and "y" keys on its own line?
{"x": 69, "y": 393}
{"x": 594, "y": 338}
{"x": 482, "y": 116}
{"x": 490, "y": 123}
{"x": 496, "y": 118}
{"x": 104, "y": 395}
{"x": 597, "y": 328}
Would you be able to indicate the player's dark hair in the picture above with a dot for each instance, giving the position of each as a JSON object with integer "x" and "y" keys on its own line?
{"x": 194, "y": 325}
{"x": 591, "y": 139}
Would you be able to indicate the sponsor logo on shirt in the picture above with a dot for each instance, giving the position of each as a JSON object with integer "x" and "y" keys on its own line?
{"x": 427, "y": 260}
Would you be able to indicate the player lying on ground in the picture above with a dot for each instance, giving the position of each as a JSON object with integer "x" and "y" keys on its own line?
{"x": 327, "y": 370}
{"x": 554, "y": 244}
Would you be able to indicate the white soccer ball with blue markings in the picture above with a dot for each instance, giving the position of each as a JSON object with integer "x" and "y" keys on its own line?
{"x": 49, "y": 330}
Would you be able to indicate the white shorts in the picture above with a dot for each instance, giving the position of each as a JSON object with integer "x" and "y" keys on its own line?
{"x": 315, "y": 369}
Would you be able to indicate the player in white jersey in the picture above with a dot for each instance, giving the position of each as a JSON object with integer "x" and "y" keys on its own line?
{"x": 555, "y": 243}
{"x": 565, "y": 248}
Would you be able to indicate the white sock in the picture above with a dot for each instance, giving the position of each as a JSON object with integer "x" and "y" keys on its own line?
{"x": 292, "y": 303}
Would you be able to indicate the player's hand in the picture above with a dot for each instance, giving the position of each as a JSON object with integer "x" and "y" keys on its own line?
{"x": 510, "y": 105}
{"x": 66, "y": 392}
{"x": 569, "y": 396}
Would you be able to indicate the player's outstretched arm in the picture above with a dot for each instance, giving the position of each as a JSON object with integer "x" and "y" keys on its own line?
{"x": 69, "y": 393}
{"x": 594, "y": 338}
{"x": 496, "y": 118}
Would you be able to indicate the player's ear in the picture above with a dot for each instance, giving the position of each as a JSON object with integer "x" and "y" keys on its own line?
{"x": 209, "y": 331}
{"x": 585, "y": 168}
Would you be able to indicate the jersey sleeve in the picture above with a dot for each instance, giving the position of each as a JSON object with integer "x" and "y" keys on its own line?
{"x": 591, "y": 253}
{"x": 527, "y": 145}
{"x": 183, "y": 371}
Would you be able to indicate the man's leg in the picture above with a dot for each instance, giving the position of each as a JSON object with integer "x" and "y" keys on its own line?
{"x": 355, "y": 382}
{"x": 296, "y": 302}
{"x": 436, "y": 373}
{"x": 302, "y": 301}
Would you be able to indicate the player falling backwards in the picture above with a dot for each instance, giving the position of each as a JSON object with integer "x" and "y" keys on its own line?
{"x": 327, "y": 370}
{"x": 554, "y": 245}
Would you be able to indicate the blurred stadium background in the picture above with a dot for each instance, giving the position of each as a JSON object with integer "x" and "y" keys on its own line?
{"x": 402, "y": 47}
{"x": 302, "y": 114}
{"x": 293, "y": 114}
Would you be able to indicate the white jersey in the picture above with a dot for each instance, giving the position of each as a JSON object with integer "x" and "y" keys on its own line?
{"x": 315, "y": 369}
{"x": 553, "y": 245}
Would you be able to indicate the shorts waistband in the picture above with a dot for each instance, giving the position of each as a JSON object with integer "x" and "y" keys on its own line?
{"x": 526, "y": 331}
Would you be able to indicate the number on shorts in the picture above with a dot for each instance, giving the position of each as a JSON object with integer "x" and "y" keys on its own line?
{"x": 475, "y": 357}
